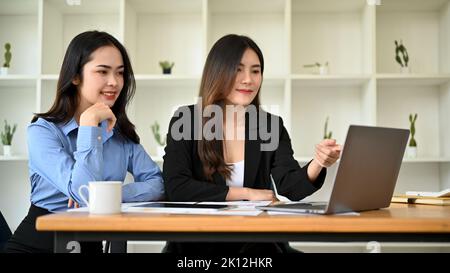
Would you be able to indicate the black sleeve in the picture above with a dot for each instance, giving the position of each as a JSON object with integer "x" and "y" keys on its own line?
{"x": 179, "y": 182}
{"x": 292, "y": 180}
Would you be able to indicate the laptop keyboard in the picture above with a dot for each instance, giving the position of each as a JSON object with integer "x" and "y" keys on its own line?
{"x": 318, "y": 206}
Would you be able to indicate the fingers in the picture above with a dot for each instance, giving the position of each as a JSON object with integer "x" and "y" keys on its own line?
{"x": 98, "y": 113}
{"x": 271, "y": 195}
{"x": 111, "y": 123}
{"x": 331, "y": 143}
{"x": 328, "y": 142}
{"x": 72, "y": 203}
{"x": 327, "y": 152}
{"x": 323, "y": 160}
{"x": 337, "y": 148}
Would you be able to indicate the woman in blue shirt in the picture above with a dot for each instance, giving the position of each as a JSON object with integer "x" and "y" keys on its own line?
{"x": 85, "y": 136}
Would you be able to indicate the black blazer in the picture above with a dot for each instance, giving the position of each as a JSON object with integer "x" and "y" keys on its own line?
{"x": 184, "y": 179}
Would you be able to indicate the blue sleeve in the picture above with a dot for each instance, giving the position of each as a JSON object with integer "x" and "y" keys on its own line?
{"x": 148, "y": 185}
{"x": 49, "y": 159}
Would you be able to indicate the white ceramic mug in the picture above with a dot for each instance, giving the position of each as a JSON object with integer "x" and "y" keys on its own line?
{"x": 105, "y": 197}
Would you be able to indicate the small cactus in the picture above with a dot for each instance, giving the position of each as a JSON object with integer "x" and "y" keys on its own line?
{"x": 157, "y": 135}
{"x": 326, "y": 134}
{"x": 401, "y": 49}
{"x": 412, "y": 120}
{"x": 166, "y": 64}
{"x": 8, "y": 133}
{"x": 8, "y": 55}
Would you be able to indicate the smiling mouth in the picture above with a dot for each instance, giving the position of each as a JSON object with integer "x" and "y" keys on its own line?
{"x": 109, "y": 94}
{"x": 245, "y": 91}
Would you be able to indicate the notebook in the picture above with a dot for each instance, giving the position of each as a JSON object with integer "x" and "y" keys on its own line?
{"x": 366, "y": 176}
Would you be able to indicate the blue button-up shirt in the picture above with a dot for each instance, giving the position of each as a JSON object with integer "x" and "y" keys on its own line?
{"x": 62, "y": 157}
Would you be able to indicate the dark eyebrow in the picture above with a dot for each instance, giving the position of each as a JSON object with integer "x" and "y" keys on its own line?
{"x": 109, "y": 67}
{"x": 254, "y": 66}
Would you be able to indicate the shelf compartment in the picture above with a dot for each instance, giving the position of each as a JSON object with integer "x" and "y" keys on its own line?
{"x": 17, "y": 105}
{"x": 159, "y": 30}
{"x": 63, "y": 22}
{"x": 337, "y": 33}
{"x": 19, "y": 27}
{"x": 424, "y": 28}
{"x": 395, "y": 103}
{"x": 263, "y": 21}
{"x": 146, "y": 108}
{"x": 344, "y": 105}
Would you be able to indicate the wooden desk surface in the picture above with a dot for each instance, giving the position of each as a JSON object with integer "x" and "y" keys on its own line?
{"x": 398, "y": 218}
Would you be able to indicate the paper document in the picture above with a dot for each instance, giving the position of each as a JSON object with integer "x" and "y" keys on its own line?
{"x": 229, "y": 208}
{"x": 351, "y": 213}
{"x": 444, "y": 193}
{"x": 241, "y": 204}
{"x": 125, "y": 206}
{"x": 242, "y": 208}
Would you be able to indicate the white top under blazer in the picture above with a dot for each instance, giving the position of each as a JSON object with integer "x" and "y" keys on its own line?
{"x": 237, "y": 175}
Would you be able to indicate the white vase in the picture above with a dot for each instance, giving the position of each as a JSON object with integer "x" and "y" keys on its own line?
{"x": 405, "y": 70}
{"x": 323, "y": 70}
{"x": 160, "y": 151}
{"x": 7, "y": 150}
{"x": 411, "y": 152}
{"x": 4, "y": 71}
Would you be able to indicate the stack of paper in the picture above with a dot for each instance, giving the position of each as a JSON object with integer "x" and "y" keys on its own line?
{"x": 441, "y": 198}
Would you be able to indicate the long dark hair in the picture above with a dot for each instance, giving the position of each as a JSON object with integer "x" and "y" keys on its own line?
{"x": 219, "y": 75}
{"x": 77, "y": 55}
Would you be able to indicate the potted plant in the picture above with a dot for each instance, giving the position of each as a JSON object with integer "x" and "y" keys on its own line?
{"x": 166, "y": 66}
{"x": 404, "y": 59}
{"x": 412, "y": 146}
{"x": 161, "y": 142}
{"x": 326, "y": 134}
{"x": 323, "y": 68}
{"x": 7, "y": 137}
{"x": 7, "y": 63}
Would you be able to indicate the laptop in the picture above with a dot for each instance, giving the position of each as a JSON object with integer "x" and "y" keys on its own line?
{"x": 366, "y": 176}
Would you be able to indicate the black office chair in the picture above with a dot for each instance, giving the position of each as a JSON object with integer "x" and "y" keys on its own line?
{"x": 5, "y": 232}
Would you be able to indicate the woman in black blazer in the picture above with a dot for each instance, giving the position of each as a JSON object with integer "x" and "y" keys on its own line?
{"x": 226, "y": 148}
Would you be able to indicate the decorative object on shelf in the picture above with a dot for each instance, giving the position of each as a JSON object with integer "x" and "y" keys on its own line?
{"x": 412, "y": 147}
{"x": 7, "y": 137}
{"x": 323, "y": 68}
{"x": 403, "y": 61}
{"x": 7, "y": 63}
{"x": 326, "y": 134}
{"x": 159, "y": 140}
{"x": 166, "y": 66}
{"x": 373, "y": 2}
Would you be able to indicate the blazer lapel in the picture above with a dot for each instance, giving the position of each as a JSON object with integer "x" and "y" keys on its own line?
{"x": 252, "y": 152}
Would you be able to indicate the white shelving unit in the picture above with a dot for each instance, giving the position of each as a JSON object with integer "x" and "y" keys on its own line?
{"x": 364, "y": 85}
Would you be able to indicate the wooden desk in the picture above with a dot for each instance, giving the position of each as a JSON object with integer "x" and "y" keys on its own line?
{"x": 398, "y": 223}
